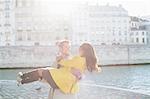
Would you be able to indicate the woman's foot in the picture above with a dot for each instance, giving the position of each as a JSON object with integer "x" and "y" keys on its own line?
{"x": 27, "y": 77}
{"x": 19, "y": 78}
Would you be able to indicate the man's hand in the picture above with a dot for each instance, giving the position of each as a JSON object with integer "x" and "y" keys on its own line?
{"x": 76, "y": 73}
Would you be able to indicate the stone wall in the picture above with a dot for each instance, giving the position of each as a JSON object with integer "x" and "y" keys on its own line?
{"x": 45, "y": 55}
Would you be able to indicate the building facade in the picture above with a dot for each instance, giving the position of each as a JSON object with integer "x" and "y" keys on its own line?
{"x": 109, "y": 25}
{"x": 80, "y": 24}
{"x": 138, "y": 33}
{"x": 146, "y": 24}
{"x": 101, "y": 25}
{"x": 38, "y": 24}
{"x": 7, "y": 34}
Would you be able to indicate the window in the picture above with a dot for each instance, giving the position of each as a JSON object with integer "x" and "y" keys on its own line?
{"x": 146, "y": 33}
{"x": 137, "y": 40}
{"x": 137, "y": 33}
{"x": 7, "y": 44}
{"x": 24, "y": 2}
{"x": 132, "y": 24}
{"x": 57, "y": 38}
{"x": 7, "y": 24}
{"x": 119, "y": 32}
{"x": 66, "y": 29}
{"x": 143, "y": 40}
{"x": 19, "y": 38}
{"x": 28, "y": 3}
{"x": 7, "y": 1}
{"x": 131, "y": 33}
{"x": 36, "y": 43}
{"x": 113, "y": 33}
{"x": 7, "y": 36}
{"x": 113, "y": 21}
{"x": 119, "y": 21}
{"x": 125, "y": 33}
{"x": 19, "y": 3}
{"x": 7, "y": 15}
{"x": 120, "y": 40}
{"x": 29, "y": 38}
{"x": 143, "y": 33}
{"x": 7, "y": 7}
{"x": 132, "y": 40}
{"x": 125, "y": 39}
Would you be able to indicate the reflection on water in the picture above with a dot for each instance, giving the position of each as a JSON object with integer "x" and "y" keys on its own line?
{"x": 133, "y": 77}
{"x": 10, "y": 74}
{"x": 129, "y": 77}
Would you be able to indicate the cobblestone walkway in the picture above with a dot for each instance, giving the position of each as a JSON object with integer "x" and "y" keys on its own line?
{"x": 9, "y": 90}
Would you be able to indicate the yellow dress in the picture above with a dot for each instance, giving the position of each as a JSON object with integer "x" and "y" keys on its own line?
{"x": 63, "y": 77}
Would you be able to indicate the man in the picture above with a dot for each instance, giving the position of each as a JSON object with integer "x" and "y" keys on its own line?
{"x": 64, "y": 53}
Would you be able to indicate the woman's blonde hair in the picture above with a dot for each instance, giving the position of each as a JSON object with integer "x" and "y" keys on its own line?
{"x": 89, "y": 54}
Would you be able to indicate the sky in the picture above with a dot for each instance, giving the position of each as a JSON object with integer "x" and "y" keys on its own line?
{"x": 134, "y": 7}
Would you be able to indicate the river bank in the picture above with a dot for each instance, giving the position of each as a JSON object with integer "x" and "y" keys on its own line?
{"x": 42, "y": 56}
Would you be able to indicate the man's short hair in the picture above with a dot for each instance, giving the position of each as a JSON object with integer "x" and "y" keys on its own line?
{"x": 60, "y": 43}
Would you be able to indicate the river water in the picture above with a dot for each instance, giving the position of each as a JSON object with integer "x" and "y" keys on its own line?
{"x": 127, "y": 77}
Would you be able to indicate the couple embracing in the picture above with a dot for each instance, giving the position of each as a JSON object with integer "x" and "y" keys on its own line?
{"x": 67, "y": 71}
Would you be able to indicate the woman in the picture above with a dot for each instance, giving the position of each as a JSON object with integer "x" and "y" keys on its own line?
{"x": 67, "y": 76}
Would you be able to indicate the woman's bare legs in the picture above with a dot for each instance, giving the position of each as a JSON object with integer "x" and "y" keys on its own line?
{"x": 32, "y": 76}
{"x": 38, "y": 74}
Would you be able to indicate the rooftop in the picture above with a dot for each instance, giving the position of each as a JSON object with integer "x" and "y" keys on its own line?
{"x": 107, "y": 8}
